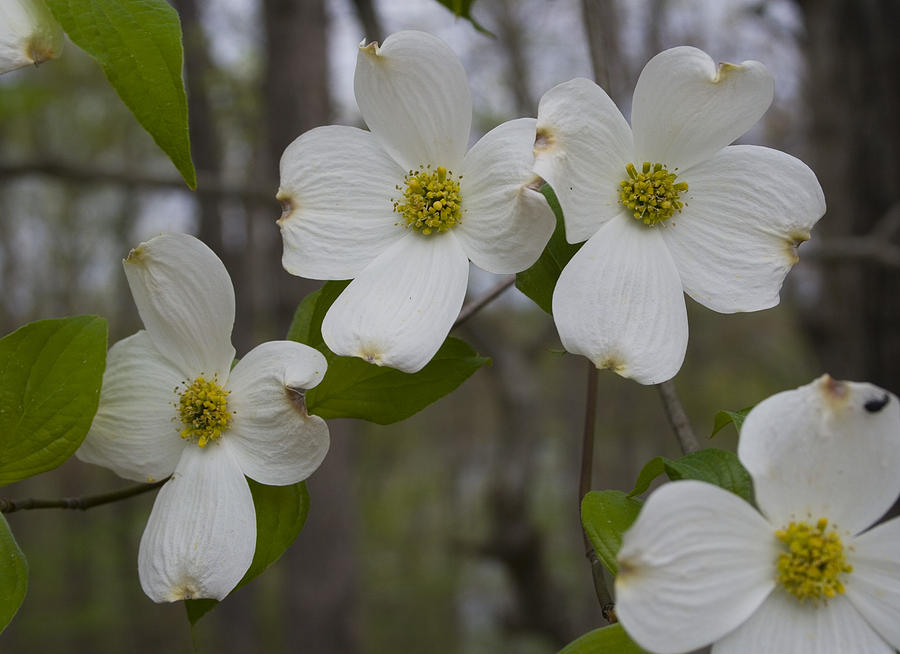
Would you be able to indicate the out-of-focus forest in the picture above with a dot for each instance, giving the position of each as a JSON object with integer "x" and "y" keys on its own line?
{"x": 457, "y": 530}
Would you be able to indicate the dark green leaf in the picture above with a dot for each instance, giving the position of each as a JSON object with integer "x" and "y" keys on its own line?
{"x": 13, "y": 575}
{"x": 718, "y": 467}
{"x": 606, "y": 640}
{"x": 306, "y": 327}
{"x": 50, "y": 376}
{"x": 463, "y": 9}
{"x": 138, "y": 45}
{"x": 539, "y": 281}
{"x": 606, "y": 515}
{"x": 725, "y": 418}
{"x": 280, "y": 515}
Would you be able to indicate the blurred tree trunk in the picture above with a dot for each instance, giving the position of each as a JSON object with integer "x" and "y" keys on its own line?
{"x": 854, "y": 98}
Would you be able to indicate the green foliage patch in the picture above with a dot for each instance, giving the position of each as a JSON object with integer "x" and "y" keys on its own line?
{"x": 718, "y": 467}
{"x": 13, "y": 575}
{"x": 606, "y": 515}
{"x": 611, "y": 639}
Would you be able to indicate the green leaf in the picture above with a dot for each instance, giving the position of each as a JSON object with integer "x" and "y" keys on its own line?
{"x": 539, "y": 281}
{"x": 718, "y": 467}
{"x": 280, "y": 515}
{"x": 611, "y": 639}
{"x": 353, "y": 388}
{"x": 463, "y": 9}
{"x": 725, "y": 418}
{"x": 50, "y": 376}
{"x": 606, "y": 515}
{"x": 13, "y": 575}
{"x": 138, "y": 45}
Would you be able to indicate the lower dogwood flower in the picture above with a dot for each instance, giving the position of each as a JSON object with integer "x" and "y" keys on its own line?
{"x": 403, "y": 208}
{"x": 803, "y": 575}
{"x": 28, "y": 34}
{"x": 668, "y": 207}
{"x": 172, "y": 405}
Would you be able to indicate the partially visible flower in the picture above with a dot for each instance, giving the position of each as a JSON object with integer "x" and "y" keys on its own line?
{"x": 802, "y": 575}
{"x": 171, "y": 404}
{"x": 402, "y": 209}
{"x": 668, "y": 209}
{"x": 28, "y": 34}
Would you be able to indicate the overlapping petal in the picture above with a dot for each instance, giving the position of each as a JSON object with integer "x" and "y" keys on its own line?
{"x": 336, "y": 186}
{"x": 186, "y": 301}
{"x": 505, "y": 223}
{"x": 135, "y": 433}
{"x": 28, "y": 34}
{"x": 399, "y": 310}
{"x": 874, "y": 585}
{"x": 272, "y": 437}
{"x": 782, "y": 625}
{"x": 619, "y": 302}
{"x": 748, "y": 208}
{"x": 583, "y": 145}
{"x": 201, "y": 535}
{"x": 413, "y": 94}
{"x": 686, "y": 109}
{"x": 828, "y": 449}
{"x": 695, "y": 565}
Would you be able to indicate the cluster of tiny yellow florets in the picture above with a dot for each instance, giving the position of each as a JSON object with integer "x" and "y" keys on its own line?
{"x": 431, "y": 200}
{"x": 203, "y": 408}
{"x": 814, "y": 562}
{"x": 652, "y": 194}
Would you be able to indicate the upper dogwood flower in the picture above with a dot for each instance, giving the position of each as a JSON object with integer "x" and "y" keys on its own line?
{"x": 171, "y": 404}
{"x": 403, "y": 208}
{"x": 700, "y": 565}
{"x": 668, "y": 208}
{"x": 28, "y": 34}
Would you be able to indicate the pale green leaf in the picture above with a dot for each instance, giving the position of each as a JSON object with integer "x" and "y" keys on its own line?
{"x": 13, "y": 575}
{"x": 606, "y": 515}
{"x": 611, "y": 639}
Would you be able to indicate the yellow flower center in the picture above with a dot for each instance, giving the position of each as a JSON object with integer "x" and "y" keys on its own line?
{"x": 430, "y": 200}
{"x": 203, "y": 408}
{"x": 813, "y": 562}
{"x": 652, "y": 194}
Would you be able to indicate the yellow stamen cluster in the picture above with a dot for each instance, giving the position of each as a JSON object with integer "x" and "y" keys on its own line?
{"x": 652, "y": 194}
{"x": 203, "y": 408}
{"x": 813, "y": 563}
{"x": 431, "y": 200}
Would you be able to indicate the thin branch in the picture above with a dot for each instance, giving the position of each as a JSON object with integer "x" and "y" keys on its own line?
{"x": 79, "y": 503}
{"x": 678, "y": 418}
{"x": 874, "y": 247}
{"x": 478, "y": 304}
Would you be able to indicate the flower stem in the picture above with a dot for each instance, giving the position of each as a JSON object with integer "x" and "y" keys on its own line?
{"x": 678, "y": 418}
{"x": 80, "y": 503}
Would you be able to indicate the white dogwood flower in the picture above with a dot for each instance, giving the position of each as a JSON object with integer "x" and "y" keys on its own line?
{"x": 668, "y": 208}
{"x": 803, "y": 575}
{"x": 171, "y": 404}
{"x": 28, "y": 34}
{"x": 401, "y": 209}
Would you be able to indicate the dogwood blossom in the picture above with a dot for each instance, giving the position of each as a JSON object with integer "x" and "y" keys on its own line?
{"x": 668, "y": 208}
{"x": 28, "y": 34}
{"x": 402, "y": 208}
{"x": 803, "y": 575}
{"x": 171, "y": 404}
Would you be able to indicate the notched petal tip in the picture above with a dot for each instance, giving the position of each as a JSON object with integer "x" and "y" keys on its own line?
{"x": 287, "y": 206}
{"x": 836, "y": 393}
{"x": 185, "y": 590}
{"x": 370, "y": 48}
{"x": 297, "y": 398}
{"x": 724, "y": 71}
{"x": 793, "y": 243}
{"x": 535, "y": 184}
{"x": 543, "y": 140}
{"x": 137, "y": 254}
{"x": 612, "y": 363}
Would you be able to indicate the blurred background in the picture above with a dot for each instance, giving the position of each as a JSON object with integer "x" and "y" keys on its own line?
{"x": 457, "y": 530}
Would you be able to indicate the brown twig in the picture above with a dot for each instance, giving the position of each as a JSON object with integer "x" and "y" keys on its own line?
{"x": 478, "y": 304}
{"x": 678, "y": 418}
{"x": 79, "y": 503}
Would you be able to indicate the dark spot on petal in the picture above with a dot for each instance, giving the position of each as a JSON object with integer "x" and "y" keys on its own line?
{"x": 874, "y": 406}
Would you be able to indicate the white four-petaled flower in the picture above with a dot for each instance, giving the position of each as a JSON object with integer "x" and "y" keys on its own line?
{"x": 402, "y": 209}
{"x": 801, "y": 576}
{"x": 668, "y": 208}
{"x": 171, "y": 404}
{"x": 28, "y": 34}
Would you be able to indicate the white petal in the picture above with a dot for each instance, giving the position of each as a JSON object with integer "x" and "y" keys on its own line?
{"x": 505, "y": 224}
{"x": 817, "y": 451}
{"x": 685, "y": 109}
{"x": 874, "y": 585}
{"x": 28, "y": 34}
{"x": 336, "y": 186}
{"x": 583, "y": 145}
{"x": 784, "y": 626}
{"x": 201, "y": 535}
{"x": 135, "y": 432}
{"x": 748, "y": 208}
{"x": 619, "y": 303}
{"x": 272, "y": 437}
{"x": 413, "y": 94}
{"x": 402, "y": 306}
{"x": 696, "y": 563}
{"x": 186, "y": 300}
